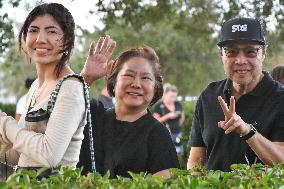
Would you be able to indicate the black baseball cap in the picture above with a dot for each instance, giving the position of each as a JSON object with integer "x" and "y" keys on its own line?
{"x": 242, "y": 28}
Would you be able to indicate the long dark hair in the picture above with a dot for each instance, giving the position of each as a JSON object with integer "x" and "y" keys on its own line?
{"x": 66, "y": 22}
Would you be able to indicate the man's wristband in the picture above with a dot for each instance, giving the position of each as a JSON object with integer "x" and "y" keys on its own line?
{"x": 252, "y": 132}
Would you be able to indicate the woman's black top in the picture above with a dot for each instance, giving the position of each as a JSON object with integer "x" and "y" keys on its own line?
{"x": 144, "y": 145}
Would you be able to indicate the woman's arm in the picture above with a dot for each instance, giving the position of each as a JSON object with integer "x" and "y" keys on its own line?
{"x": 164, "y": 118}
{"x": 196, "y": 157}
{"x": 182, "y": 118}
{"x": 49, "y": 148}
{"x": 99, "y": 60}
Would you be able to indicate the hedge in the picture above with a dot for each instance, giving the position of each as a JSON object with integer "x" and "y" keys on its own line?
{"x": 242, "y": 176}
{"x": 9, "y": 109}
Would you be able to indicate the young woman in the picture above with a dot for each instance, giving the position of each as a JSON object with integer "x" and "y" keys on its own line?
{"x": 127, "y": 138}
{"x": 40, "y": 139}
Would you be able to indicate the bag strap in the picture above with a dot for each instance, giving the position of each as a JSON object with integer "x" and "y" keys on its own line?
{"x": 163, "y": 111}
{"x": 109, "y": 121}
{"x": 52, "y": 100}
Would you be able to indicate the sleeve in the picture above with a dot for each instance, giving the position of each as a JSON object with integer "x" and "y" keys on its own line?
{"x": 5, "y": 144}
{"x": 195, "y": 139}
{"x": 278, "y": 129}
{"x": 97, "y": 114}
{"x": 11, "y": 157}
{"x": 157, "y": 108}
{"x": 162, "y": 153}
{"x": 49, "y": 148}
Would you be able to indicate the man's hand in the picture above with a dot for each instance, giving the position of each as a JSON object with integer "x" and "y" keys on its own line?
{"x": 99, "y": 59}
{"x": 233, "y": 122}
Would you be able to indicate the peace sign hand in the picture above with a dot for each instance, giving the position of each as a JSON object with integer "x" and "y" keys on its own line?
{"x": 99, "y": 59}
{"x": 233, "y": 122}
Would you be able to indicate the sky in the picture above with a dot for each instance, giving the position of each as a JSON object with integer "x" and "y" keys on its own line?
{"x": 78, "y": 8}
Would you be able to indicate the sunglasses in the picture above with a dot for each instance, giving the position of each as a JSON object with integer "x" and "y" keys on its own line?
{"x": 249, "y": 52}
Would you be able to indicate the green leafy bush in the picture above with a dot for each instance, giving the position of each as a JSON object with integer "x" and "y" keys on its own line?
{"x": 9, "y": 109}
{"x": 241, "y": 176}
{"x": 188, "y": 108}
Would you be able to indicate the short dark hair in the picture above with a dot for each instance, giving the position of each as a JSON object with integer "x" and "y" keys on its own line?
{"x": 277, "y": 73}
{"x": 140, "y": 51}
{"x": 66, "y": 22}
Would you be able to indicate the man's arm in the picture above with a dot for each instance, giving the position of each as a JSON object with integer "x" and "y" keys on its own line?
{"x": 268, "y": 152}
{"x": 196, "y": 157}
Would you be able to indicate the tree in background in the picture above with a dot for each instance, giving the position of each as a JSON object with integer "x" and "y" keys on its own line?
{"x": 183, "y": 41}
{"x": 6, "y": 27}
{"x": 183, "y": 32}
{"x": 13, "y": 65}
{"x": 15, "y": 70}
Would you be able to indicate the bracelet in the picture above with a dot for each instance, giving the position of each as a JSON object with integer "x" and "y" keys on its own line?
{"x": 86, "y": 81}
{"x": 252, "y": 132}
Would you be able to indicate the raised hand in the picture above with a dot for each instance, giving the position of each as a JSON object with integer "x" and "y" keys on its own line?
{"x": 233, "y": 122}
{"x": 99, "y": 59}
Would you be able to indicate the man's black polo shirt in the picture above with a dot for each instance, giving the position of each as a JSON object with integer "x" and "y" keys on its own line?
{"x": 263, "y": 106}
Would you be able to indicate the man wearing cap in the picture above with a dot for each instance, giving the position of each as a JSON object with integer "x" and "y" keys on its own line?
{"x": 239, "y": 119}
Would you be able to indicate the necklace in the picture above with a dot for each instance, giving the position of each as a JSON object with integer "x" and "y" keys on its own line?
{"x": 37, "y": 94}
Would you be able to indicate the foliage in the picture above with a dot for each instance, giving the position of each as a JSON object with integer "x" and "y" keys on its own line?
{"x": 137, "y": 13}
{"x": 183, "y": 32}
{"x": 186, "y": 14}
{"x": 15, "y": 70}
{"x": 183, "y": 42}
{"x": 188, "y": 108}
{"x": 9, "y": 109}
{"x": 6, "y": 27}
{"x": 241, "y": 176}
